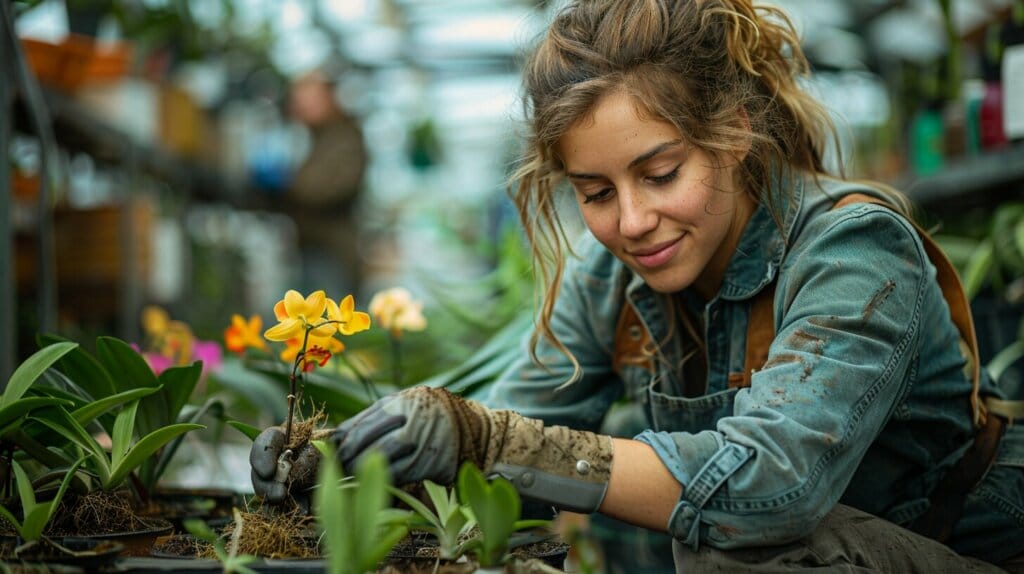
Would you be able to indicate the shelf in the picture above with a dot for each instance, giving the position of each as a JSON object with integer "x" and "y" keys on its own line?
{"x": 77, "y": 128}
{"x": 980, "y": 180}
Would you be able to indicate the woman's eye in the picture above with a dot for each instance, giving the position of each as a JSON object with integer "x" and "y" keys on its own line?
{"x": 665, "y": 178}
{"x": 598, "y": 196}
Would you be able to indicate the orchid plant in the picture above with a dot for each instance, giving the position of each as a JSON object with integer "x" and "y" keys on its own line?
{"x": 308, "y": 327}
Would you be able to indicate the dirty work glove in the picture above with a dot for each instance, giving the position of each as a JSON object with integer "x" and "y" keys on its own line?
{"x": 275, "y": 479}
{"x": 427, "y": 433}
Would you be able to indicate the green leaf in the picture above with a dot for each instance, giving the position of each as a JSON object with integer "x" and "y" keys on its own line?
{"x": 1004, "y": 359}
{"x": 11, "y": 519}
{"x": 29, "y": 371}
{"x": 151, "y": 478}
{"x": 142, "y": 450}
{"x": 418, "y": 507}
{"x": 84, "y": 415}
{"x": 68, "y": 427}
{"x": 178, "y": 384}
{"x": 13, "y": 411}
{"x": 979, "y": 268}
{"x": 124, "y": 428}
{"x": 330, "y": 510}
{"x": 82, "y": 368}
{"x": 248, "y": 430}
{"x": 25, "y": 491}
{"x": 495, "y": 506}
{"x": 132, "y": 372}
{"x": 36, "y": 521}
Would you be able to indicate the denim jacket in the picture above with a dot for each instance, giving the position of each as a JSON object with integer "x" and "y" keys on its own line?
{"x": 863, "y": 400}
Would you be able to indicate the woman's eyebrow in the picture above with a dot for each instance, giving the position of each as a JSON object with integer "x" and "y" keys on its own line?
{"x": 636, "y": 161}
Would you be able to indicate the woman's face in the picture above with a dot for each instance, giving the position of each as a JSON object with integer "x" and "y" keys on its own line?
{"x": 655, "y": 202}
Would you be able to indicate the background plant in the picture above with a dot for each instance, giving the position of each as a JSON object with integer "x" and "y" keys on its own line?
{"x": 90, "y": 384}
{"x": 35, "y": 515}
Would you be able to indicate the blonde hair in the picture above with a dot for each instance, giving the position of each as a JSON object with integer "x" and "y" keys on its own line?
{"x": 724, "y": 72}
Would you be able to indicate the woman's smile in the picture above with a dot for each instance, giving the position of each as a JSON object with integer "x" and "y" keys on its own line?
{"x": 656, "y": 255}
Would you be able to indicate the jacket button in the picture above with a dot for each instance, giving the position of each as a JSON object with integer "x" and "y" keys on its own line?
{"x": 582, "y": 466}
{"x": 526, "y": 479}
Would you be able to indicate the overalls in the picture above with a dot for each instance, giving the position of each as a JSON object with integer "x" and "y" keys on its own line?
{"x": 862, "y": 402}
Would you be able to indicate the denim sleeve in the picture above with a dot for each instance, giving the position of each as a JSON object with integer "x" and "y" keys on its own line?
{"x": 847, "y": 308}
{"x": 583, "y": 319}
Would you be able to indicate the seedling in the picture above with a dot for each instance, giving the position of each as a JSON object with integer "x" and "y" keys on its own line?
{"x": 496, "y": 508}
{"x": 36, "y": 515}
{"x": 359, "y": 526}
{"x": 449, "y": 521}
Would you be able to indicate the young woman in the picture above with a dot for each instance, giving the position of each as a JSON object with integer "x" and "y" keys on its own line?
{"x": 794, "y": 350}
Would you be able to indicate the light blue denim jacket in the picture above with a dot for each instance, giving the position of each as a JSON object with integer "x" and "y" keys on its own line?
{"x": 863, "y": 400}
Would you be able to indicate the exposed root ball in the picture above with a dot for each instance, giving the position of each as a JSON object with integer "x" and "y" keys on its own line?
{"x": 273, "y": 535}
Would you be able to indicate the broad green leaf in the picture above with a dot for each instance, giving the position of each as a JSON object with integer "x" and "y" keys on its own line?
{"x": 83, "y": 369}
{"x": 142, "y": 450}
{"x": 439, "y": 497}
{"x": 124, "y": 428}
{"x": 25, "y": 491}
{"x": 13, "y": 411}
{"x": 84, "y": 415}
{"x": 68, "y": 427}
{"x": 35, "y": 521}
{"x": 178, "y": 384}
{"x": 246, "y": 429}
{"x": 130, "y": 371}
{"x": 263, "y": 391}
{"x": 496, "y": 508}
{"x": 29, "y": 371}
{"x": 151, "y": 477}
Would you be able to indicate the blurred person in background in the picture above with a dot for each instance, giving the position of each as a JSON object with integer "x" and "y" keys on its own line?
{"x": 323, "y": 192}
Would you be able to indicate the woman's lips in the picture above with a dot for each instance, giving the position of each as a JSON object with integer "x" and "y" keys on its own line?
{"x": 656, "y": 255}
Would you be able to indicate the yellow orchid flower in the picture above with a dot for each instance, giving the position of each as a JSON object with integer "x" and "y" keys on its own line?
{"x": 318, "y": 351}
{"x": 349, "y": 320}
{"x": 243, "y": 334}
{"x": 155, "y": 321}
{"x": 395, "y": 310}
{"x": 297, "y": 314}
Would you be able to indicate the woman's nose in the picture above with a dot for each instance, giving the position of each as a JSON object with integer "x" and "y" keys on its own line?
{"x": 637, "y": 215}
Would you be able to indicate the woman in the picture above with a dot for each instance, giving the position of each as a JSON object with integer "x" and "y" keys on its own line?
{"x": 696, "y": 162}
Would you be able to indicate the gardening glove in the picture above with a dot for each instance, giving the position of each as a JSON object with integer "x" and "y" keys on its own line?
{"x": 427, "y": 433}
{"x": 278, "y": 478}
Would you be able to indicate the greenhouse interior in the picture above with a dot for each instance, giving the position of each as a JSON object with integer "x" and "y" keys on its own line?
{"x": 187, "y": 182}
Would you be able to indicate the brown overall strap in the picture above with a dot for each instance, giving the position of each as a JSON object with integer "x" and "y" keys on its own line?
{"x": 761, "y": 324}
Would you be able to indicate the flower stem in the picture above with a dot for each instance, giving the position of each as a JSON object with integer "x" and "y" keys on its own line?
{"x": 291, "y": 387}
{"x": 396, "y": 359}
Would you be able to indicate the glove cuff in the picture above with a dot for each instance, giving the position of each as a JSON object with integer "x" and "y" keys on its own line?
{"x": 556, "y": 465}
